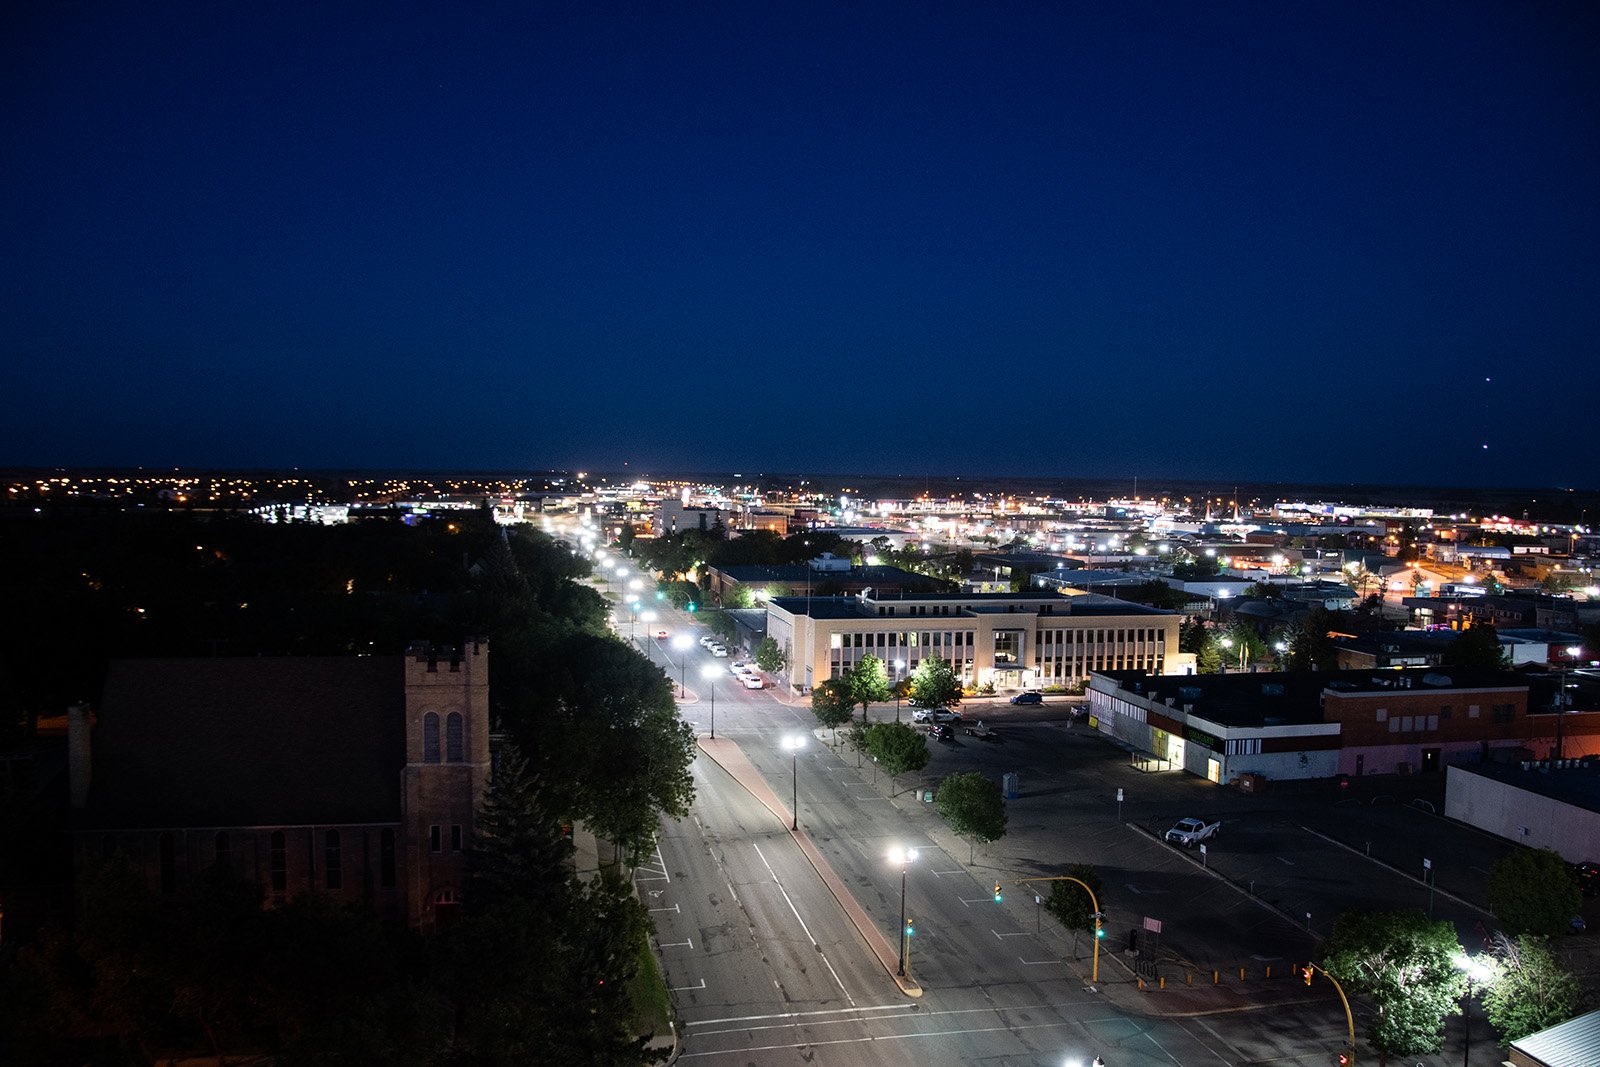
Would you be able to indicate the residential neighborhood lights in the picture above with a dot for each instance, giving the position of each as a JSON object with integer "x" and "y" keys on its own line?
{"x": 905, "y": 857}
{"x": 792, "y": 744}
{"x": 710, "y": 675}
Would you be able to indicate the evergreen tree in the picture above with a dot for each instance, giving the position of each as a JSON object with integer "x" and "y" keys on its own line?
{"x": 518, "y": 847}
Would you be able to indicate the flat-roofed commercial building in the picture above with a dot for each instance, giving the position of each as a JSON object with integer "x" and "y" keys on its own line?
{"x": 1010, "y": 640}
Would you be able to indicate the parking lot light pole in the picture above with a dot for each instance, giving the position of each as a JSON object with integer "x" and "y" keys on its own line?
{"x": 1475, "y": 972}
{"x": 710, "y": 675}
{"x": 793, "y": 743}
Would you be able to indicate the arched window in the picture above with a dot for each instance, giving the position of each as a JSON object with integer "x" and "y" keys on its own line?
{"x": 224, "y": 849}
{"x": 386, "y": 858}
{"x": 330, "y": 860}
{"x": 280, "y": 862}
{"x": 452, "y": 738}
{"x": 169, "y": 864}
{"x": 430, "y": 738}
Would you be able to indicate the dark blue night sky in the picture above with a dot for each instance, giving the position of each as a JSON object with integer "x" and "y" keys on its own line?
{"x": 1209, "y": 240}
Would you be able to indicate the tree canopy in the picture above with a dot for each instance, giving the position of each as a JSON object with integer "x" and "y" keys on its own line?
{"x": 1404, "y": 963}
{"x": 869, "y": 683}
{"x": 832, "y": 702}
{"x": 1531, "y": 891}
{"x": 1477, "y": 647}
{"x": 935, "y": 683}
{"x": 1530, "y": 990}
{"x": 898, "y": 748}
{"x": 973, "y": 807}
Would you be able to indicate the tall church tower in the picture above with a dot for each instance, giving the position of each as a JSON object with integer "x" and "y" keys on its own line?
{"x": 446, "y": 772}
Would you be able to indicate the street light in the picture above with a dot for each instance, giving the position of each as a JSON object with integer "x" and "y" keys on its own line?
{"x": 792, "y": 744}
{"x": 710, "y": 674}
{"x": 1476, "y": 971}
{"x": 682, "y": 643}
{"x": 905, "y": 857}
{"x": 899, "y": 670}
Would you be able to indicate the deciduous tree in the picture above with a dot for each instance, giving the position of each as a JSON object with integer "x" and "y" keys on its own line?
{"x": 832, "y": 703}
{"x": 973, "y": 807}
{"x": 1530, "y": 990}
{"x": 1404, "y": 963}
{"x": 869, "y": 683}
{"x": 897, "y": 747}
{"x": 1531, "y": 891}
{"x": 935, "y": 683}
{"x": 1070, "y": 904}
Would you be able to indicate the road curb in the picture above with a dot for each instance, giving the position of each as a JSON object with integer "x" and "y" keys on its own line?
{"x": 1396, "y": 870}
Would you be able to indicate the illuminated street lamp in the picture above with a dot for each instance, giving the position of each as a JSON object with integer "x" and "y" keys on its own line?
{"x": 905, "y": 857}
{"x": 793, "y": 743}
{"x": 710, "y": 674}
{"x": 899, "y": 670}
{"x": 682, "y": 643}
{"x": 1476, "y": 971}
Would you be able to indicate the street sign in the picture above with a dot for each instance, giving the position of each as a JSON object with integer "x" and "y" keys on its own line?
{"x": 1119, "y": 796}
{"x": 1153, "y": 925}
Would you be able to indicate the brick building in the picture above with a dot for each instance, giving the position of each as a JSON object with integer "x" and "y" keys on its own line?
{"x": 1318, "y": 724}
{"x": 356, "y": 777}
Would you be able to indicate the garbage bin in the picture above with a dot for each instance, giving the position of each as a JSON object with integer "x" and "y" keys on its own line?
{"x": 1008, "y": 785}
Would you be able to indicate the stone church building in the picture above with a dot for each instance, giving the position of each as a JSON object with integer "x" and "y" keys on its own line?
{"x": 355, "y": 777}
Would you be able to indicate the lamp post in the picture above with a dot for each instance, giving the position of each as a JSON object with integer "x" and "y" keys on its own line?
{"x": 905, "y": 857}
{"x": 1475, "y": 971}
{"x": 647, "y": 617}
{"x": 900, "y": 676}
{"x": 792, "y": 744}
{"x": 1573, "y": 652}
{"x": 710, "y": 675}
{"x": 682, "y": 643}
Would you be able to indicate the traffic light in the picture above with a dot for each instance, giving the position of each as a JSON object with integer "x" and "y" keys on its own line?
{"x": 910, "y": 926}
{"x": 1099, "y": 926}
{"x": 1343, "y": 1060}
{"x": 691, "y": 605}
{"x": 1305, "y": 972}
{"x": 660, "y": 595}
{"x": 997, "y": 892}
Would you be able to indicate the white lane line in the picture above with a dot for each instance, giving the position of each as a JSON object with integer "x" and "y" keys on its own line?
{"x": 970, "y": 901}
{"x": 673, "y": 908}
{"x": 682, "y": 988}
{"x": 1222, "y": 1040}
{"x": 1020, "y": 933}
{"x": 874, "y": 796}
{"x": 1035, "y": 963}
{"x": 941, "y": 874}
{"x": 803, "y": 925}
{"x": 804, "y": 1014}
{"x": 678, "y": 944}
{"x": 1286, "y": 860}
{"x": 1147, "y": 1034}
{"x": 745, "y": 1051}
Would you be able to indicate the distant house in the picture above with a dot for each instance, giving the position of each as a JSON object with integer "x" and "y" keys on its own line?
{"x": 355, "y": 777}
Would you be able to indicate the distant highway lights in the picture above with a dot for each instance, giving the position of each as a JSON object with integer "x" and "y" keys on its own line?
{"x": 792, "y": 744}
{"x": 710, "y": 673}
{"x": 683, "y": 642}
{"x": 905, "y": 857}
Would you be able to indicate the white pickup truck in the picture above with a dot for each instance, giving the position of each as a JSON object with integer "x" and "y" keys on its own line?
{"x": 1190, "y": 832}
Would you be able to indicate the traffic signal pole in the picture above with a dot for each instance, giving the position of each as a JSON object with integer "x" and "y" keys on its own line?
{"x": 1349, "y": 1019}
{"x": 1099, "y": 928}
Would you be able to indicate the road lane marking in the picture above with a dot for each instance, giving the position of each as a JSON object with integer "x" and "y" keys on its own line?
{"x": 1019, "y": 933}
{"x": 677, "y": 944}
{"x": 807, "y": 1014}
{"x": 976, "y": 900}
{"x": 1286, "y": 859}
{"x": 941, "y": 874}
{"x": 1035, "y": 963}
{"x": 682, "y": 988}
{"x": 673, "y": 908}
{"x": 789, "y": 1045}
{"x": 803, "y": 925}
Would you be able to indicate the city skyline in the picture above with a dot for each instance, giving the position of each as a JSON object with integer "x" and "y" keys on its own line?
{"x": 1341, "y": 245}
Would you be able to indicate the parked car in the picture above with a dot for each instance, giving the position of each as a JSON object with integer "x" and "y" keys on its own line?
{"x": 1028, "y": 698}
{"x": 661, "y": 635}
{"x": 1190, "y": 832}
{"x": 925, "y": 714}
{"x": 753, "y": 681}
{"x": 940, "y": 733}
{"x": 946, "y": 715}
{"x": 719, "y": 651}
{"x": 706, "y": 640}
{"x": 1588, "y": 877}
{"x": 738, "y": 666}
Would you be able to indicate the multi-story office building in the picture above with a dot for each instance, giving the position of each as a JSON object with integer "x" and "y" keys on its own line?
{"x": 1010, "y": 640}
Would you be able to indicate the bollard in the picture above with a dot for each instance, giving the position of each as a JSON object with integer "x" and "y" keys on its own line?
{"x": 1141, "y": 982}
{"x": 1216, "y": 976}
{"x": 1190, "y": 977}
{"x": 1241, "y": 974}
{"x": 1162, "y": 982}
{"x": 1269, "y": 970}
